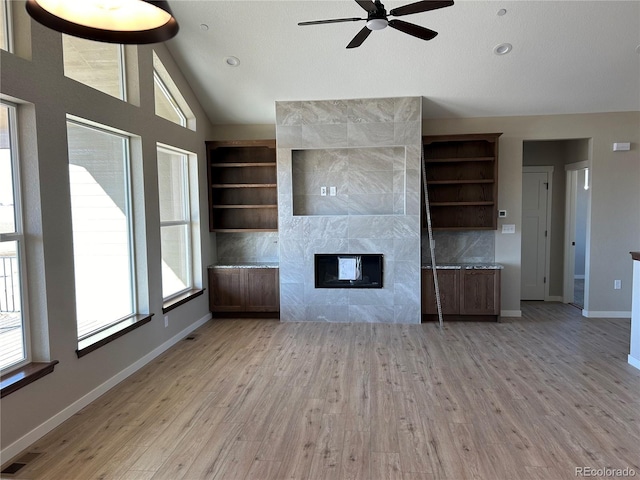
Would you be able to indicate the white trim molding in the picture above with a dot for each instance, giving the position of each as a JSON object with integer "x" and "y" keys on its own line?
{"x": 634, "y": 362}
{"x": 511, "y": 313}
{"x": 597, "y": 314}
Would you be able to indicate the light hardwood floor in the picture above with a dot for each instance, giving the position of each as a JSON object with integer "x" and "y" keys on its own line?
{"x": 531, "y": 398}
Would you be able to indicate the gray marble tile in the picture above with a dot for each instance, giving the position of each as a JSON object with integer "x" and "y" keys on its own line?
{"x": 289, "y": 136}
{"x": 324, "y": 112}
{"x": 371, "y": 204}
{"x": 477, "y": 246}
{"x": 320, "y": 160}
{"x": 407, "y": 227}
{"x": 382, "y": 246}
{"x": 288, "y": 113}
{"x": 398, "y": 203}
{"x": 406, "y": 133}
{"x": 292, "y": 293}
{"x": 406, "y": 294}
{"x": 412, "y": 204}
{"x": 403, "y": 250}
{"x": 332, "y": 226}
{"x": 371, "y": 226}
{"x": 371, "y": 313}
{"x": 291, "y": 227}
{"x": 371, "y": 296}
{"x": 412, "y": 181}
{"x": 324, "y": 136}
{"x": 291, "y": 271}
{"x": 325, "y": 296}
{"x": 292, "y": 249}
{"x": 310, "y": 183}
{"x": 408, "y": 109}
{"x": 374, "y": 158}
{"x": 413, "y": 156}
{"x": 369, "y": 182}
{"x": 318, "y": 205}
{"x": 407, "y": 273}
{"x": 371, "y": 110}
{"x": 370, "y": 134}
{"x": 327, "y": 313}
{"x": 409, "y": 314}
{"x": 325, "y": 245}
{"x": 293, "y": 313}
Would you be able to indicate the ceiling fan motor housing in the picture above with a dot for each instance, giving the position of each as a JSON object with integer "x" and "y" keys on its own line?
{"x": 377, "y": 19}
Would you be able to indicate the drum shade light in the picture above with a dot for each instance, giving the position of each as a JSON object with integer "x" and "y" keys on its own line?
{"x": 112, "y": 21}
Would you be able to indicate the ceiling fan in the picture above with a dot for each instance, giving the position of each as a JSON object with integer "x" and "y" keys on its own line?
{"x": 377, "y": 19}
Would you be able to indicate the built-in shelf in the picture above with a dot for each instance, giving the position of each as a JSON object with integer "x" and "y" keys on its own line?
{"x": 462, "y": 181}
{"x": 242, "y": 186}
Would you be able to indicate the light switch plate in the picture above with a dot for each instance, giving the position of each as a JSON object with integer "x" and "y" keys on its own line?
{"x": 332, "y": 191}
{"x": 508, "y": 228}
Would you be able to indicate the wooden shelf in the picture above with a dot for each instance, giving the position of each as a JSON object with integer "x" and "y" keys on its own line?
{"x": 242, "y": 186}
{"x": 462, "y": 181}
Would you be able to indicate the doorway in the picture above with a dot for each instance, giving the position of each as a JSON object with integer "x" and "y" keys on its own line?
{"x": 576, "y": 218}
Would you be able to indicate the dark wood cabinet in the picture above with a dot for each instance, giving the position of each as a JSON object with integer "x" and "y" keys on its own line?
{"x": 462, "y": 181}
{"x": 472, "y": 294}
{"x": 244, "y": 290}
{"x": 480, "y": 292}
{"x": 242, "y": 186}
{"x": 449, "y": 286}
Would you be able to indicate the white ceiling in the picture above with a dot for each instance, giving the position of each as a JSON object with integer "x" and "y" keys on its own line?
{"x": 567, "y": 57}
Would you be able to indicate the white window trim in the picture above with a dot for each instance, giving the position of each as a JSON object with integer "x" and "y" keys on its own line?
{"x": 187, "y": 220}
{"x": 160, "y": 83}
{"x": 130, "y": 218}
{"x": 18, "y": 237}
{"x": 8, "y": 24}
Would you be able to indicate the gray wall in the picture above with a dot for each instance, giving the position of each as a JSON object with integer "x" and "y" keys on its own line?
{"x": 46, "y": 96}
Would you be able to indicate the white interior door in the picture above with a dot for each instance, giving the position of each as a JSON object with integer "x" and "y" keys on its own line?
{"x": 535, "y": 184}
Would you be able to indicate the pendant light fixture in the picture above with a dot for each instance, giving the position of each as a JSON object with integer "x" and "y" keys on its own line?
{"x": 112, "y": 21}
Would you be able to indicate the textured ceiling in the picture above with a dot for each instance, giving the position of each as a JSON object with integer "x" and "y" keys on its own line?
{"x": 567, "y": 57}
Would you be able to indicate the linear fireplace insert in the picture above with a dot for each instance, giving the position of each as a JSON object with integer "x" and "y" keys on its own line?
{"x": 348, "y": 270}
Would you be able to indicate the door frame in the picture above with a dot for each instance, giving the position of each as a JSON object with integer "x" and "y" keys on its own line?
{"x": 548, "y": 169}
{"x": 571, "y": 170}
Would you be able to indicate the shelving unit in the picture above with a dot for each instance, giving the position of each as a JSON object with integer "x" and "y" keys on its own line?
{"x": 462, "y": 181}
{"x": 242, "y": 186}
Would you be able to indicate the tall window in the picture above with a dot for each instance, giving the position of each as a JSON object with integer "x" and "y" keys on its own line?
{"x": 175, "y": 222}
{"x": 14, "y": 333}
{"x": 99, "y": 177}
{"x": 169, "y": 102}
{"x": 96, "y": 64}
{"x": 5, "y": 25}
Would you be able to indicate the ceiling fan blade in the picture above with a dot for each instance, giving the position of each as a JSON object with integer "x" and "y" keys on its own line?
{"x": 335, "y": 20}
{"x": 423, "y": 6}
{"x": 368, "y": 5}
{"x": 359, "y": 38}
{"x": 411, "y": 29}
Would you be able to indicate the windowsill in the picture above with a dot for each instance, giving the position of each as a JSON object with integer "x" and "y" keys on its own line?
{"x": 108, "y": 335}
{"x": 23, "y": 376}
{"x": 181, "y": 299}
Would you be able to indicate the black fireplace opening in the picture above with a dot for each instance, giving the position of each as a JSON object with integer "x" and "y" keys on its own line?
{"x": 348, "y": 270}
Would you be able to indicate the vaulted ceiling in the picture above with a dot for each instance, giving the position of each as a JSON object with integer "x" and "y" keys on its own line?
{"x": 567, "y": 57}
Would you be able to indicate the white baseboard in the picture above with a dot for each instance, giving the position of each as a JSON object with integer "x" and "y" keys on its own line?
{"x": 578, "y": 277}
{"x": 554, "y": 298}
{"x": 634, "y": 362}
{"x": 596, "y": 314}
{"x": 511, "y": 313}
{"x": 34, "y": 435}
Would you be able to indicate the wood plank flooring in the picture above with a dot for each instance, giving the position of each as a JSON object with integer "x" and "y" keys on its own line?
{"x": 531, "y": 398}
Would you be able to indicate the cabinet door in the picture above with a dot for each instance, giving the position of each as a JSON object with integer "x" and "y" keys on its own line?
{"x": 226, "y": 289}
{"x": 480, "y": 292}
{"x": 448, "y": 284}
{"x": 262, "y": 290}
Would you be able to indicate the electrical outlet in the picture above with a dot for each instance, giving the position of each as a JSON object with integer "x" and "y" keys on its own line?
{"x": 323, "y": 191}
{"x": 166, "y": 321}
{"x": 617, "y": 284}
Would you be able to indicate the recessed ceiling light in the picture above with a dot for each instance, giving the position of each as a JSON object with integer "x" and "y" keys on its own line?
{"x": 204, "y": 27}
{"x": 232, "y": 61}
{"x": 502, "y": 49}
{"x": 502, "y": 11}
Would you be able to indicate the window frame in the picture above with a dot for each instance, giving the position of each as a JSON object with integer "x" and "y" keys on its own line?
{"x": 8, "y": 25}
{"x": 133, "y": 280}
{"x": 18, "y": 237}
{"x": 157, "y": 80}
{"x": 187, "y": 219}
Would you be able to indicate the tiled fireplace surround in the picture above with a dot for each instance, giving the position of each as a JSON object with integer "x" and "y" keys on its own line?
{"x": 370, "y": 150}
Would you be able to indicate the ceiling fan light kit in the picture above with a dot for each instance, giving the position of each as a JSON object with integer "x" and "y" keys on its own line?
{"x": 377, "y": 19}
{"x": 111, "y": 21}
